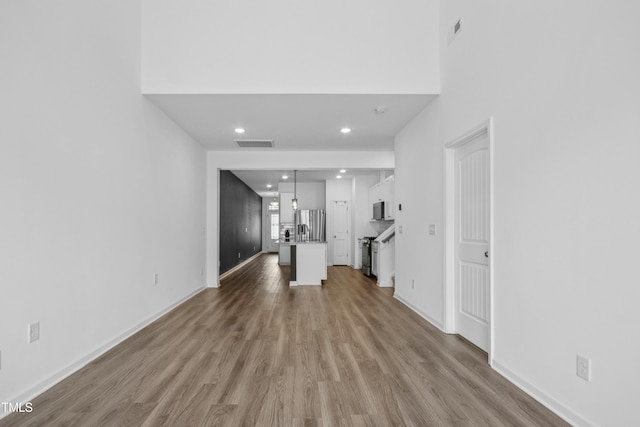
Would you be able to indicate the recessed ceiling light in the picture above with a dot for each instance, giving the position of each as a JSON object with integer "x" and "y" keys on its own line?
{"x": 380, "y": 109}
{"x": 343, "y": 170}
{"x": 345, "y": 130}
{"x": 268, "y": 185}
{"x": 285, "y": 177}
{"x": 239, "y": 130}
{"x": 339, "y": 176}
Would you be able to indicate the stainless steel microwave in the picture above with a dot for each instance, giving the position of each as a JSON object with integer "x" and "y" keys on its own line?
{"x": 378, "y": 210}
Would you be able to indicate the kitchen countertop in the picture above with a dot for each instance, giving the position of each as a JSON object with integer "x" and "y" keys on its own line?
{"x": 301, "y": 243}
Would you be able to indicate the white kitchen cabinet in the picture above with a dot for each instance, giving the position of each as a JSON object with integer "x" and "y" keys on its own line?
{"x": 310, "y": 263}
{"x": 286, "y": 210}
{"x": 383, "y": 192}
{"x": 374, "y": 197}
{"x": 387, "y": 189}
{"x": 284, "y": 254}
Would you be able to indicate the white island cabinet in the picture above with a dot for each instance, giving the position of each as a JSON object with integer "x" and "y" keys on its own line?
{"x": 308, "y": 263}
{"x": 284, "y": 253}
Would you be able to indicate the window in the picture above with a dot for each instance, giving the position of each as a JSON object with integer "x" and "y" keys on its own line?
{"x": 275, "y": 226}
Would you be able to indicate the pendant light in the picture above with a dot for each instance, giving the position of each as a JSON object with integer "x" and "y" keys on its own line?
{"x": 294, "y": 202}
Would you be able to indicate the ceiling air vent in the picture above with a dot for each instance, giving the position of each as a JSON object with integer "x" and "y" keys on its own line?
{"x": 254, "y": 143}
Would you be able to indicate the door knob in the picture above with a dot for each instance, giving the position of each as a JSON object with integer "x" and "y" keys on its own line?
{"x": 486, "y": 254}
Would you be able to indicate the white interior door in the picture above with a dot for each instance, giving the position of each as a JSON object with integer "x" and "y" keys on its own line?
{"x": 340, "y": 224}
{"x": 472, "y": 241}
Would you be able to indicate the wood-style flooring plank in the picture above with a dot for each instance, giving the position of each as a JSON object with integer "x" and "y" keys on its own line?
{"x": 256, "y": 352}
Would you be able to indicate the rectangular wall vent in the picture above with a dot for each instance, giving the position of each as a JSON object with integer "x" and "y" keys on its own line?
{"x": 254, "y": 143}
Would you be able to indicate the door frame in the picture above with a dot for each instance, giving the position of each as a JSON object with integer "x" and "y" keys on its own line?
{"x": 449, "y": 216}
{"x": 268, "y": 245}
{"x": 333, "y": 241}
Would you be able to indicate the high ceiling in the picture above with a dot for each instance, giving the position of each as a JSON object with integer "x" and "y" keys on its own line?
{"x": 258, "y": 179}
{"x": 293, "y": 122}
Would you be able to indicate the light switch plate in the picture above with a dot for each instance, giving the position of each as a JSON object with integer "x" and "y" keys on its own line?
{"x": 34, "y": 332}
{"x": 583, "y": 367}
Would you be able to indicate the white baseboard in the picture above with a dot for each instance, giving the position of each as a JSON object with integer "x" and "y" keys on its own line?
{"x": 552, "y": 404}
{"x": 549, "y": 402}
{"x": 49, "y": 382}
{"x": 434, "y": 322}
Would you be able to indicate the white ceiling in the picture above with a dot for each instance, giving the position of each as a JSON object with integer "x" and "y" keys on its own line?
{"x": 294, "y": 122}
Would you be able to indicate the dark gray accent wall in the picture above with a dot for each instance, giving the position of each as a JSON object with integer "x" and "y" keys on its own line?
{"x": 240, "y": 221}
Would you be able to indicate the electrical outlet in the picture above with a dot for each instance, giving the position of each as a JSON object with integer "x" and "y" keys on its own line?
{"x": 583, "y": 367}
{"x": 413, "y": 284}
{"x": 34, "y": 332}
{"x": 238, "y": 255}
{"x": 156, "y": 279}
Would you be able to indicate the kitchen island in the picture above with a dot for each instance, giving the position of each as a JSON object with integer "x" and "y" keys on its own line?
{"x": 284, "y": 253}
{"x": 308, "y": 263}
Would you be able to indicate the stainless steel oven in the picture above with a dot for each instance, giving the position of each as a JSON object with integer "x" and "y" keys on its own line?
{"x": 365, "y": 246}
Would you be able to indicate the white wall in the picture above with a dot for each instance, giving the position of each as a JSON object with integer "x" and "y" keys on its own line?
{"x": 280, "y": 160}
{"x": 561, "y": 81}
{"x": 311, "y": 195}
{"x": 282, "y": 46}
{"x": 361, "y": 225}
{"x": 99, "y": 190}
{"x": 418, "y": 187}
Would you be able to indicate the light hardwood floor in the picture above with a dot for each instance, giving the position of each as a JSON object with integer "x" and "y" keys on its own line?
{"x": 257, "y": 353}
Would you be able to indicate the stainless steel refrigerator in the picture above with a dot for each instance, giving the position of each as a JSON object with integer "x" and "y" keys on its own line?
{"x": 310, "y": 225}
